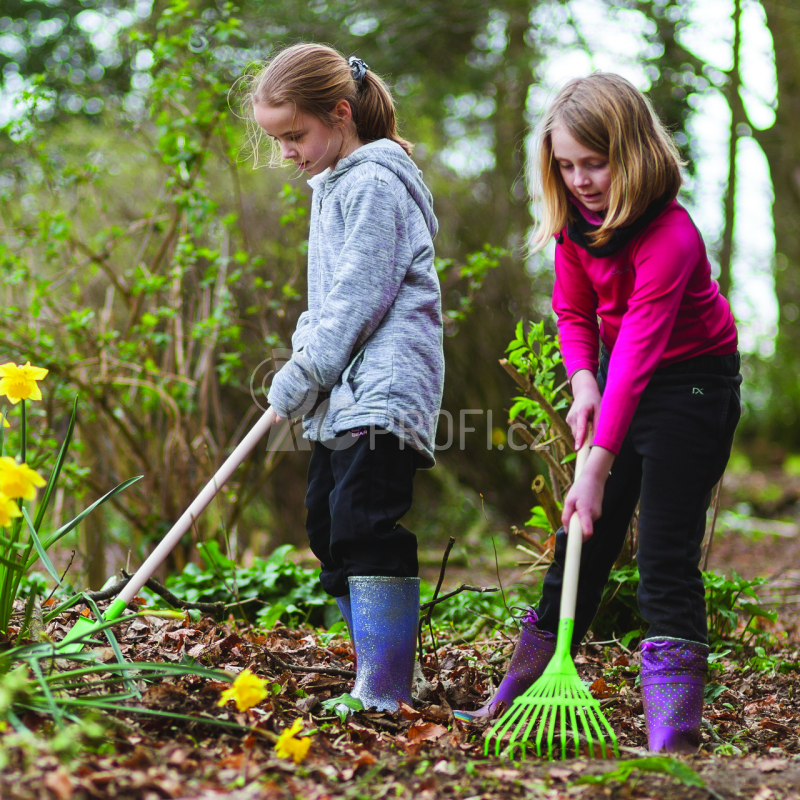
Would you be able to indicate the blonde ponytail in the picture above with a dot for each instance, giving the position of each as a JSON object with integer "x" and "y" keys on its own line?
{"x": 314, "y": 78}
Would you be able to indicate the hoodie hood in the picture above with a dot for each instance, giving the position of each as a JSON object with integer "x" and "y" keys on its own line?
{"x": 390, "y": 155}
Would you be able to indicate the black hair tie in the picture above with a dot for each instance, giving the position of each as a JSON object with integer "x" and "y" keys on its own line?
{"x": 358, "y": 68}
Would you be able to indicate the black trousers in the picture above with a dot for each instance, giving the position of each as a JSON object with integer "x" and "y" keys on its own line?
{"x": 676, "y": 450}
{"x": 359, "y": 486}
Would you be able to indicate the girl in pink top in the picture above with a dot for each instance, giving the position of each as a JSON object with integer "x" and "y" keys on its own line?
{"x": 650, "y": 350}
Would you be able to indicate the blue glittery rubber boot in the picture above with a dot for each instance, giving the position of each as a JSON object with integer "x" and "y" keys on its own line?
{"x": 673, "y": 677}
{"x": 347, "y": 613}
{"x": 532, "y": 654}
{"x": 385, "y": 619}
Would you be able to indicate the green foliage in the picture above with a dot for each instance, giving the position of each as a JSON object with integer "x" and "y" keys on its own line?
{"x": 467, "y": 614}
{"x": 619, "y": 616}
{"x": 23, "y": 542}
{"x": 727, "y": 602}
{"x": 726, "y": 606}
{"x": 538, "y": 518}
{"x": 537, "y": 356}
{"x": 128, "y": 270}
{"x": 343, "y": 705}
{"x": 663, "y": 765}
{"x": 75, "y": 694}
{"x": 272, "y": 589}
{"x": 469, "y": 276}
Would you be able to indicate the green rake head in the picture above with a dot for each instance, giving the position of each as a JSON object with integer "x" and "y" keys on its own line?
{"x": 556, "y": 716}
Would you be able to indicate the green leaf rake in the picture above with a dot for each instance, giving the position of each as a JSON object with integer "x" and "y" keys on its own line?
{"x": 85, "y": 626}
{"x": 557, "y": 713}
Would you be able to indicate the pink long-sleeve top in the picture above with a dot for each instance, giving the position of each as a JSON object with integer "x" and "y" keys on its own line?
{"x": 656, "y": 303}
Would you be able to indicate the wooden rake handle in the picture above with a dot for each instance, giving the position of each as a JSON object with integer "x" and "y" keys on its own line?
{"x": 572, "y": 564}
{"x": 197, "y": 507}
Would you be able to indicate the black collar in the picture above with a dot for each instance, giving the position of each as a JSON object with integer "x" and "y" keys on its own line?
{"x": 578, "y": 229}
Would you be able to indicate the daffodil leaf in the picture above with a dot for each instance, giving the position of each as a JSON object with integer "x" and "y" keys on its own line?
{"x": 40, "y": 549}
{"x": 62, "y": 455}
{"x": 112, "y": 640}
{"x": 65, "y": 529}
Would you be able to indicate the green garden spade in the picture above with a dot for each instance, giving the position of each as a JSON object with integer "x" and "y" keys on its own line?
{"x": 558, "y": 707}
{"x": 86, "y": 627}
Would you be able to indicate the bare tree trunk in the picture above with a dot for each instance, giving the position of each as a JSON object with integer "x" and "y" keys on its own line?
{"x": 738, "y": 117}
{"x": 509, "y": 193}
{"x": 781, "y": 145}
{"x": 94, "y": 529}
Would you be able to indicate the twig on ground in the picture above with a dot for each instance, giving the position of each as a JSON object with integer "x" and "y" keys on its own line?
{"x": 427, "y": 618}
{"x": 344, "y": 673}
{"x": 500, "y": 581}
{"x": 526, "y": 537}
{"x": 154, "y": 586}
{"x": 63, "y": 575}
{"x": 465, "y": 587}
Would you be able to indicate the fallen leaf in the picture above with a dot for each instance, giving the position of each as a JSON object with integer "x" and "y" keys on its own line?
{"x": 772, "y": 765}
{"x": 427, "y": 731}
{"x": 771, "y": 725}
{"x": 600, "y": 689}
{"x": 306, "y": 704}
{"x": 232, "y": 762}
{"x": 365, "y": 759}
{"x": 506, "y": 774}
{"x": 59, "y": 783}
{"x": 408, "y": 712}
{"x": 181, "y": 633}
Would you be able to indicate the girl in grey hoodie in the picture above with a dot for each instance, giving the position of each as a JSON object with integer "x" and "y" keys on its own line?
{"x": 367, "y": 369}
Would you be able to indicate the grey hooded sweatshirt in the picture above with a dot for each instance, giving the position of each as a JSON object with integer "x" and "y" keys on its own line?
{"x": 369, "y": 349}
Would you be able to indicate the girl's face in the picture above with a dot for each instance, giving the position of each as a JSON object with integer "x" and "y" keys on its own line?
{"x": 304, "y": 138}
{"x": 586, "y": 174}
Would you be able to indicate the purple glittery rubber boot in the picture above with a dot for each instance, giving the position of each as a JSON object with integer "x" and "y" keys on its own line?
{"x": 532, "y": 654}
{"x": 385, "y": 619}
{"x": 673, "y": 676}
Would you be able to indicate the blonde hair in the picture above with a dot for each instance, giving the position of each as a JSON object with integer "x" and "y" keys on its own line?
{"x": 314, "y": 78}
{"x": 609, "y": 115}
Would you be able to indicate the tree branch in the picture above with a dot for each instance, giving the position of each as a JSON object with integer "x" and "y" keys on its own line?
{"x": 465, "y": 587}
{"x": 555, "y": 418}
{"x": 161, "y": 591}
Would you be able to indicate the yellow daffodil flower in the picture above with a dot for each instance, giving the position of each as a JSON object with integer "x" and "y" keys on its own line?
{"x": 246, "y": 691}
{"x": 288, "y": 746}
{"x": 19, "y": 383}
{"x": 6, "y": 423}
{"x": 8, "y": 510}
{"x": 18, "y": 480}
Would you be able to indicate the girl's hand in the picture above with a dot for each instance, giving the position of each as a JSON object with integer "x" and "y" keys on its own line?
{"x": 585, "y": 498}
{"x": 585, "y": 408}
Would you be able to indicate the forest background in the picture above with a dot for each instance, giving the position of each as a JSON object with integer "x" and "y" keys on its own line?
{"x": 158, "y": 276}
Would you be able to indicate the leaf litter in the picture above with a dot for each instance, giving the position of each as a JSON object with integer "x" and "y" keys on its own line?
{"x": 749, "y": 745}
